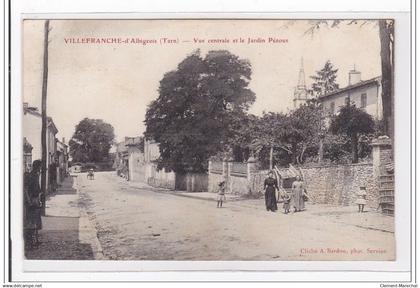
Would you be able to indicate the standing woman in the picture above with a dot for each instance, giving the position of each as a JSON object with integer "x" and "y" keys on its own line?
{"x": 32, "y": 205}
{"x": 270, "y": 187}
{"x": 298, "y": 190}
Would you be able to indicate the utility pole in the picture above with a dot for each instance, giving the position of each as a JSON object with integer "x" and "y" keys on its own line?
{"x": 44, "y": 117}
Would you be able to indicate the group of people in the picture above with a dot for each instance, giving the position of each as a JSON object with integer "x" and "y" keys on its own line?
{"x": 32, "y": 205}
{"x": 296, "y": 199}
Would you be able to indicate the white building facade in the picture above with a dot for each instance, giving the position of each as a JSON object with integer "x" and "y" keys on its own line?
{"x": 31, "y": 130}
{"x": 364, "y": 94}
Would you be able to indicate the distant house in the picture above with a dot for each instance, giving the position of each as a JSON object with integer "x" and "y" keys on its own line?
{"x": 27, "y": 155}
{"x": 121, "y": 159}
{"x": 365, "y": 94}
{"x": 153, "y": 176}
{"x": 62, "y": 158}
{"x": 136, "y": 168}
{"x": 31, "y": 130}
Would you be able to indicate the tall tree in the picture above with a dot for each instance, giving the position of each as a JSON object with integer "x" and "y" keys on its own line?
{"x": 44, "y": 117}
{"x": 193, "y": 115}
{"x": 386, "y": 35}
{"x": 324, "y": 80}
{"x": 91, "y": 141}
{"x": 352, "y": 122}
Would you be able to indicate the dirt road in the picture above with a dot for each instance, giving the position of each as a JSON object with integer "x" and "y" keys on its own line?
{"x": 138, "y": 223}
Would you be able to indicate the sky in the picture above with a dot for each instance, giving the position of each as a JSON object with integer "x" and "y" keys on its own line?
{"x": 116, "y": 81}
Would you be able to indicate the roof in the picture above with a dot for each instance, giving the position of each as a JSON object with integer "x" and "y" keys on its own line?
{"x": 372, "y": 81}
{"x": 51, "y": 124}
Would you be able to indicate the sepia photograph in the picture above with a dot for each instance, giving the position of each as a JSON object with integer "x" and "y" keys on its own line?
{"x": 208, "y": 139}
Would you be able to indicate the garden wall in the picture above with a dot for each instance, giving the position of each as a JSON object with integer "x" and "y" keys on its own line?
{"x": 338, "y": 184}
{"x": 330, "y": 184}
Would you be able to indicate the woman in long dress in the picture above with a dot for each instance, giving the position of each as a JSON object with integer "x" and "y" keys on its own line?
{"x": 32, "y": 202}
{"x": 298, "y": 190}
{"x": 270, "y": 186}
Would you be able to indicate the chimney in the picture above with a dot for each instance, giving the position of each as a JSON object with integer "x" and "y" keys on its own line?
{"x": 64, "y": 140}
{"x": 354, "y": 76}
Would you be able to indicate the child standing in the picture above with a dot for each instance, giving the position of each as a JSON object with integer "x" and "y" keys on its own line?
{"x": 221, "y": 194}
{"x": 286, "y": 202}
{"x": 361, "y": 198}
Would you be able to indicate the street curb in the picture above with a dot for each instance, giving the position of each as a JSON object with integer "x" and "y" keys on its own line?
{"x": 204, "y": 198}
{"x": 87, "y": 230}
{"x": 172, "y": 192}
{"x": 87, "y": 234}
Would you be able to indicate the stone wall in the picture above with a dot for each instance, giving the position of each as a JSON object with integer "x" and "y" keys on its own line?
{"x": 338, "y": 184}
{"x": 331, "y": 184}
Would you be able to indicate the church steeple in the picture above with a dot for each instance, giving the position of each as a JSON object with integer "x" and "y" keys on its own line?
{"x": 300, "y": 93}
{"x": 301, "y": 80}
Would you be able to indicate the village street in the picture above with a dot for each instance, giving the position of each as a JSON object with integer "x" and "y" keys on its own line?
{"x": 138, "y": 222}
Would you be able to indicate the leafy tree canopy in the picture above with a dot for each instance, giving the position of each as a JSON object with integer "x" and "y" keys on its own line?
{"x": 91, "y": 141}
{"x": 292, "y": 133}
{"x": 352, "y": 122}
{"x": 197, "y": 108}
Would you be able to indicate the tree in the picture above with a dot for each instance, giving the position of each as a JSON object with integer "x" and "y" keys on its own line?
{"x": 352, "y": 122}
{"x": 306, "y": 126}
{"x": 244, "y": 129}
{"x": 324, "y": 80}
{"x": 193, "y": 117}
{"x": 91, "y": 141}
{"x": 296, "y": 133}
{"x": 270, "y": 134}
{"x": 386, "y": 35}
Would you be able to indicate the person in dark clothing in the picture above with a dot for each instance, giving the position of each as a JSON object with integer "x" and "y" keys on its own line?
{"x": 32, "y": 217}
{"x": 270, "y": 186}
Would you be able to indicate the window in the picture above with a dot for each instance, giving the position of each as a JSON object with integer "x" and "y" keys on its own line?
{"x": 363, "y": 101}
{"x": 347, "y": 100}
{"x": 332, "y": 107}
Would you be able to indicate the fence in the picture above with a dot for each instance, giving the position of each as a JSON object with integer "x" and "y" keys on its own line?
{"x": 235, "y": 174}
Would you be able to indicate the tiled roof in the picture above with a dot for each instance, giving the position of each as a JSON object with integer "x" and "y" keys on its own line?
{"x": 375, "y": 80}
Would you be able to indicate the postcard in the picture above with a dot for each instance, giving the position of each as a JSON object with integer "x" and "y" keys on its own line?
{"x": 203, "y": 140}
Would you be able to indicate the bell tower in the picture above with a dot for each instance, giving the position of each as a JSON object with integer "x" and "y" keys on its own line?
{"x": 301, "y": 93}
